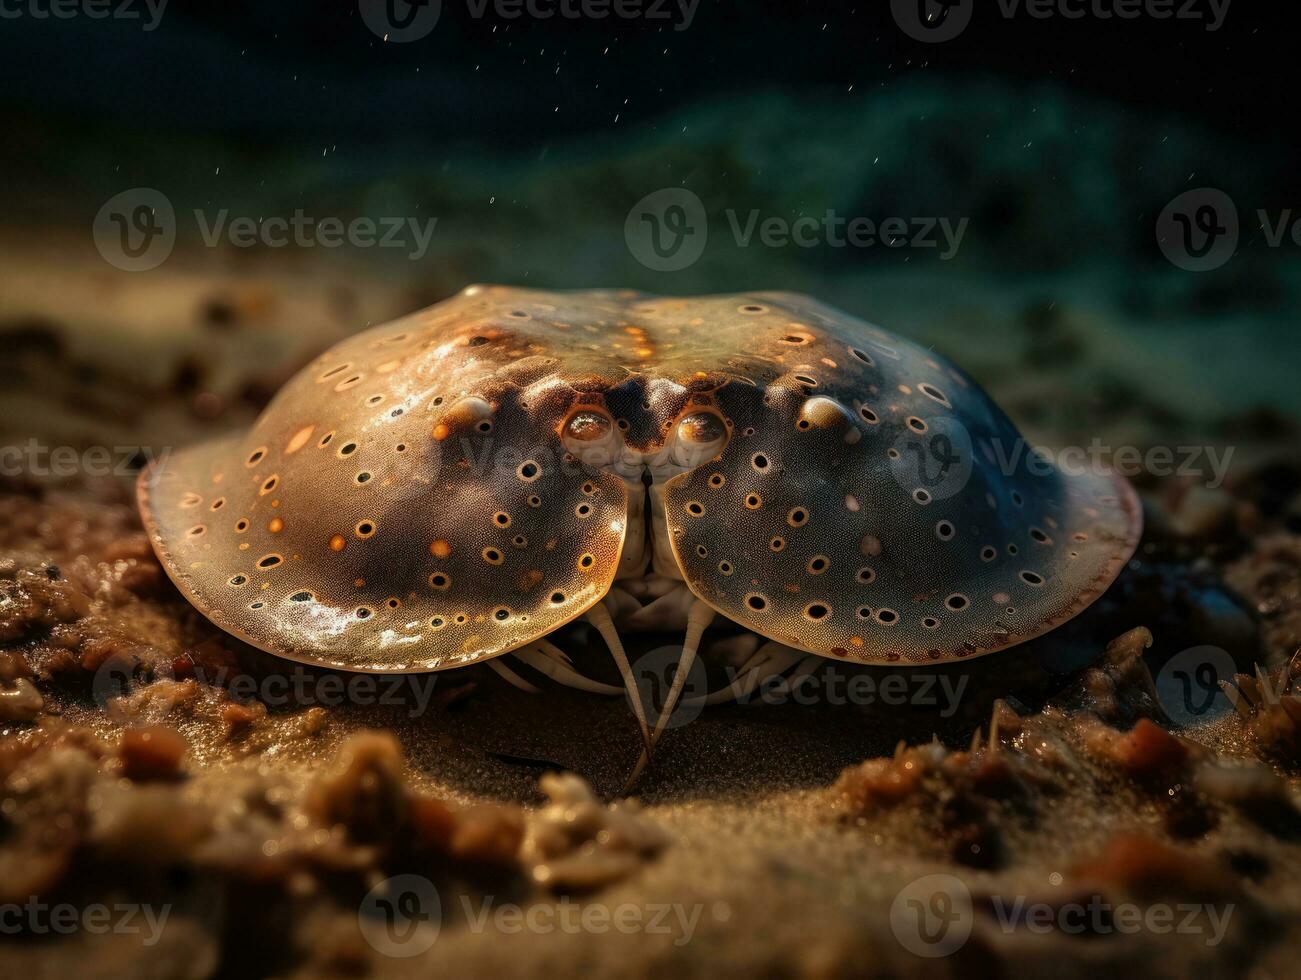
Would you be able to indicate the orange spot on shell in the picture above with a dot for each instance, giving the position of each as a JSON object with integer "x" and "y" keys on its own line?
{"x": 300, "y": 439}
{"x": 440, "y": 549}
{"x": 338, "y": 542}
{"x": 441, "y": 431}
{"x": 276, "y": 525}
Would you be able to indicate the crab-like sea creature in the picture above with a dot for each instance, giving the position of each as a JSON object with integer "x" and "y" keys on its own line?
{"x": 459, "y": 484}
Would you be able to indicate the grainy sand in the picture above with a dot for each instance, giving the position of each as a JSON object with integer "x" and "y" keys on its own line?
{"x": 767, "y": 871}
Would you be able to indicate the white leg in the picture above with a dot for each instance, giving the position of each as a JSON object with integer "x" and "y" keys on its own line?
{"x": 549, "y": 660}
{"x": 800, "y": 674}
{"x": 770, "y": 660}
{"x": 599, "y": 617}
{"x": 698, "y": 621}
{"x": 510, "y": 677}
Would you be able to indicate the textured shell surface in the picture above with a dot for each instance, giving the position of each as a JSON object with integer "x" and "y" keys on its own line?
{"x": 413, "y": 499}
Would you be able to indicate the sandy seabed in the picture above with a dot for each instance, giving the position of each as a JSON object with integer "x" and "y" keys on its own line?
{"x": 1075, "y": 822}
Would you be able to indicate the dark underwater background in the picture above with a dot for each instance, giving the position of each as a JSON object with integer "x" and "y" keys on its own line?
{"x": 1058, "y": 142}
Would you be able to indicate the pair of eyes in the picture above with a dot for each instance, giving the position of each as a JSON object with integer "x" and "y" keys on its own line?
{"x": 699, "y": 428}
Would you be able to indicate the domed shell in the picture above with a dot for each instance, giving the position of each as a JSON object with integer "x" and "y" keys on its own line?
{"x": 407, "y": 502}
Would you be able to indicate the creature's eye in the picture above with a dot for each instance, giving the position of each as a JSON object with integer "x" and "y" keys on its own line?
{"x": 590, "y": 435}
{"x": 703, "y": 428}
{"x": 700, "y": 436}
{"x": 588, "y": 427}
